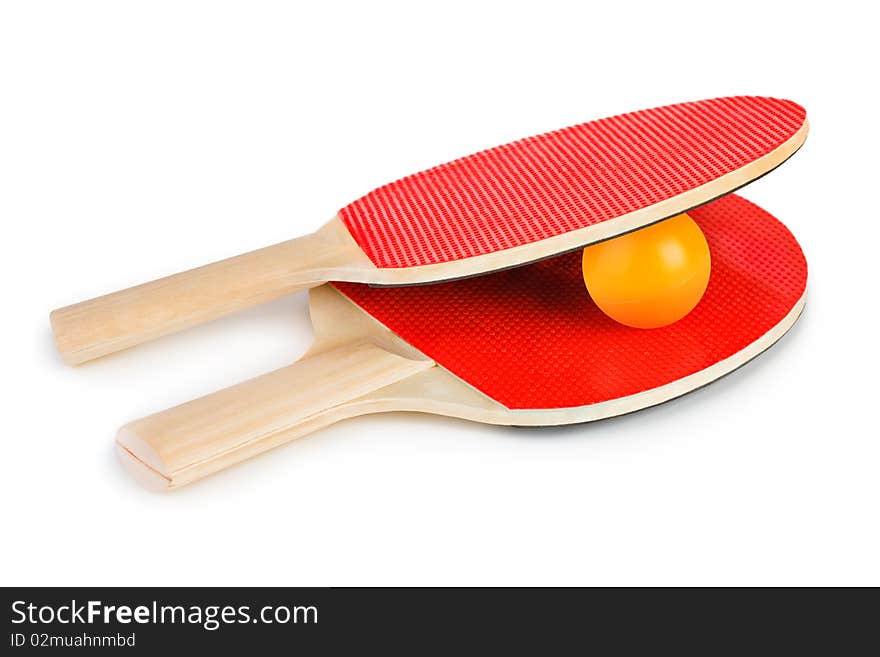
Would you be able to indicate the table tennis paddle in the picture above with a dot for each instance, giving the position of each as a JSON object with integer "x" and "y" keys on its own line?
{"x": 524, "y": 346}
{"x": 499, "y": 208}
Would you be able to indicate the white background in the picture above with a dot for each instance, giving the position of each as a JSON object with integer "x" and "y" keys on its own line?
{"x": 141, "y": 138}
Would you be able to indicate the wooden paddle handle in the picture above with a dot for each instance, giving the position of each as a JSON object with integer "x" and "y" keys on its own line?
{"x": 187, "y": 442}
{"x": 129, "y": 317}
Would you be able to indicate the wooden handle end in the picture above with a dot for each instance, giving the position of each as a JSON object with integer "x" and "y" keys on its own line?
{"x": 131, "y": 452}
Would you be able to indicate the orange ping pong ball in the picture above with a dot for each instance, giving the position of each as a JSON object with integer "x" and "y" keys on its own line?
{"x": 650, "y": 277}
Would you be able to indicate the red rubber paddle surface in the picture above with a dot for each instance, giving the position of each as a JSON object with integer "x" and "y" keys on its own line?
{"x": 531, "y": 337}
{"x": 564, "y": 180}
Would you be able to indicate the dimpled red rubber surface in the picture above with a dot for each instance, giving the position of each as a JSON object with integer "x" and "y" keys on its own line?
{"x": 531, "y": 337}
{"x": 564, "y": 180}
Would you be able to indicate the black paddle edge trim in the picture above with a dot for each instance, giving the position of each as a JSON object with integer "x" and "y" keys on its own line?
{"x": 550, "y": 427}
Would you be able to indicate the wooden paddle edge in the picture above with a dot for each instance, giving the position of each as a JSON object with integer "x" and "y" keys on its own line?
{"x": 452, "y": 397}
{"x": 359, "y": 269}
